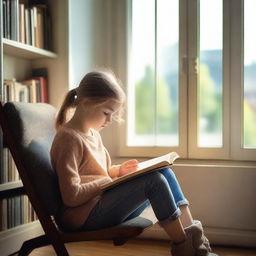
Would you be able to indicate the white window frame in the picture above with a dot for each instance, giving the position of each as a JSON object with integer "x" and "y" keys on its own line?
{"x": 232, "y": 89}
{"x": 236, "y": 80}
{"x": 194, "y": 150}
{"x": 152, "y": 151}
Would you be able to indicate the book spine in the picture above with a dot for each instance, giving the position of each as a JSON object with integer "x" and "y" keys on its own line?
{"x": 40, "y": 28}
{"x": 8, "y": 20}
{"x": 14, "y": 19}
{"x": 42, "y": 85}
{"x": 32, "y": 26}
{"x": 4, "y": 18}
{"x": 4, "y": 214}
{"x": 27, "y": 30}
{"x": 22, "y": 23}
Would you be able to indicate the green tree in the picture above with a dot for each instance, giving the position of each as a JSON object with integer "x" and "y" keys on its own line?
{"x": 146, "y": 111}
{"x": 210, "y": 101}
{"x": 144, "y": 103}
{"x": 249, "y": 126}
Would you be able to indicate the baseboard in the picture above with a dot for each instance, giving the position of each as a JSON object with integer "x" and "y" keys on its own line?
{"x": 12, "y": 239}
{"x": 217, "y": 236}
{"x": 232, "y": 237}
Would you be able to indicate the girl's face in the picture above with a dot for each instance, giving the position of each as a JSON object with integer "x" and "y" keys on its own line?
{"x": 101, "y": 115}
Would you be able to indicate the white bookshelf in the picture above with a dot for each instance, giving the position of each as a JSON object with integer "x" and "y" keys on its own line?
{"x": 17, "y": 49}
{"x": 18, "y": 60}
{"x": 11, "y": 185}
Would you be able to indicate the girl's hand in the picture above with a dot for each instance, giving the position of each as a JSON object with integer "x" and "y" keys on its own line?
{"x": 128, "y": 167}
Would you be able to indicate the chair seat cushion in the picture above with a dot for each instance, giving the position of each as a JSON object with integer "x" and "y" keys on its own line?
{"x": 135, "y": 222}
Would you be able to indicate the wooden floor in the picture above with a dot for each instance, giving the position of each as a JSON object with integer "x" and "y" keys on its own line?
{"x": 137, "y": 247}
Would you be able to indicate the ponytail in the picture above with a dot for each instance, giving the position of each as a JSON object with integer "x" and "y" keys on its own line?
{"x": 69, "y": 102}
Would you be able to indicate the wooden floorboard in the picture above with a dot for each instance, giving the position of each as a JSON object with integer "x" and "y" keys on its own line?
{"x": 138, "y": 247}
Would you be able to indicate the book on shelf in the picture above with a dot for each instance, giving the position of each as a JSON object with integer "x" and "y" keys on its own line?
{"x": 21, "y": 92}
{"x": 41, "y": 75}
{"x": 14, "y": 20}
{"x": 31, "y": 90}
{"x": 145, "y": 167}
{"x": 22, "y": 23}
{"x": 15, "y": 211}
{"x": 9, "y": 172}
{"x": 39, "y": 29}
{"x": 27, "y": 22}
{"x": 14, "y": 91}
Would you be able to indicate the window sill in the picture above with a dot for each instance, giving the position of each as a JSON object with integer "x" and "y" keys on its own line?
{"x": 196, "y": 162}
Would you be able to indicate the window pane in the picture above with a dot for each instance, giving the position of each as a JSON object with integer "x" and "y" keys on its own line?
{"x": 249, "y": 74}
{"x": 153, "y": 74}
{"x": 167, "y": 73}
{"x": 141, "y": 105}
{"x": 210, "y": 77}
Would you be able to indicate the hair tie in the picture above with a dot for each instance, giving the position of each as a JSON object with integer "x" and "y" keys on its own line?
{"x": 75, "y": 92}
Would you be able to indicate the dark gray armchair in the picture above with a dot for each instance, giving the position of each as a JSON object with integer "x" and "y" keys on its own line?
{"x": 28, "y": 131}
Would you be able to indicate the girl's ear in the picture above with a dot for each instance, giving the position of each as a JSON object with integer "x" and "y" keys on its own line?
{"x": 84, "y": 101}
{"x": 86, "y": 104}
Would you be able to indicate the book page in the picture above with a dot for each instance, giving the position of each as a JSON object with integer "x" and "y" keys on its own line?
{"x": 158, "y": 161}
{"x": 144, "y": 167}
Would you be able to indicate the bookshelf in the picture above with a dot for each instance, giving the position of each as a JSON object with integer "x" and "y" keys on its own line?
{"x": 21, "y": 50}
{"x": 17, "y": 60}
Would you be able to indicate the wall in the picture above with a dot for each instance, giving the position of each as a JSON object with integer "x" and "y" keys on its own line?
{"x": 89, "y": 39}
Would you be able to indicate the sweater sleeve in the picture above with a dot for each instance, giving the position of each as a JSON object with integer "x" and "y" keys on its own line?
{"x": 66, "y": 156}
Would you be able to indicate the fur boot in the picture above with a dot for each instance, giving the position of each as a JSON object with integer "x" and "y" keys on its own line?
{"x": 200, "y": 245}
{"x": 185, "y": 248}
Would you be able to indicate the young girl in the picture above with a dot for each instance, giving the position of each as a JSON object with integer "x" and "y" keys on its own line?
{"x": 83, "y": 165}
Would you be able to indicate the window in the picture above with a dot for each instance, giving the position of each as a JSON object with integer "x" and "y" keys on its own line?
{"x": 154, "y": 81}
{"x": 210, "y": 82}
{"x": 191, "y": 79}
{"x": 249, "y": 79}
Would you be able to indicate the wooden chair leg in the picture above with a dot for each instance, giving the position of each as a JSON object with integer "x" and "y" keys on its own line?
{"x": 40, "y": 241}
{"x": 33, "y": 243}
{"x": 119, "y": 241}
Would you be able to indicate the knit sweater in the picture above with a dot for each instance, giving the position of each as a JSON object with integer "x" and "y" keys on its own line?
{"x": 81, "y": 163}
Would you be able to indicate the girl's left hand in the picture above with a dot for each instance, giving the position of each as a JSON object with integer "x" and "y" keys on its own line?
{"x": 128, "y": 167}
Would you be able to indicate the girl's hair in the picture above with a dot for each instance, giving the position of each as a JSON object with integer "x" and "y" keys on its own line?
{"x": 97, "y": 87}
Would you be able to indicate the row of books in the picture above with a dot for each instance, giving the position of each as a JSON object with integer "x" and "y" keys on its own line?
{"x": 15, "y": 211}
{"x": 29, "y": 24}
{"x": 10, "y": 172}
{"x": 32, "y": 90}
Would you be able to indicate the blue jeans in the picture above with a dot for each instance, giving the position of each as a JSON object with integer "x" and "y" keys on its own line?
{"x": 127, "y": 200}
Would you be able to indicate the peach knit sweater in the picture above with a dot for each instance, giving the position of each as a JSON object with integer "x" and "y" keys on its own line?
{"x": 81, "y": 163}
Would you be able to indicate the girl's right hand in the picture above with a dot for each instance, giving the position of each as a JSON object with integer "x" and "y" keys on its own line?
{"x": 128, "y": 167}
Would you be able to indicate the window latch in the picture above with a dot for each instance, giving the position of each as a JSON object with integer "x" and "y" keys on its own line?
{"x": 194, "y": 65}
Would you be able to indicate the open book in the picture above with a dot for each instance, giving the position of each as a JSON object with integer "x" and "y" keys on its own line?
{"x": 145, "y": 167}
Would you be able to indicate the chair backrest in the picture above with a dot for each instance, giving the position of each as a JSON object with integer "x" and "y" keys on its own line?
{"x": 32, "y": 127}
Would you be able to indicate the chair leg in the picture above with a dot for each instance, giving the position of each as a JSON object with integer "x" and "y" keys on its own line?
{"x": 60, "y": 249}
{"x": 119, "y": 241}
{"x": 40, "y": 241}
{"x": 32, "y": 244}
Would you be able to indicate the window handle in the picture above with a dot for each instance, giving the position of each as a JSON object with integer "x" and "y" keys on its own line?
{"x": 194, "y": 65}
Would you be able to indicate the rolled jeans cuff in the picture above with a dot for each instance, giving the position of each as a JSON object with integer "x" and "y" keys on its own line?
{"x": 173, "y": 217}
{"x": 182, "y": 202}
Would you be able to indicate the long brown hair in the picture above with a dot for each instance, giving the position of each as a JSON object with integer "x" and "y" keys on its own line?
{"x": 97, "y": 87}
